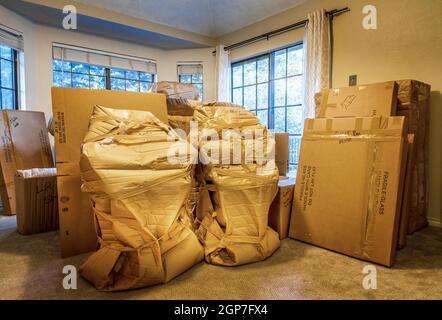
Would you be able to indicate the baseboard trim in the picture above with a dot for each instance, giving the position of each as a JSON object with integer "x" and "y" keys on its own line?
{"x": 434, "y": 222}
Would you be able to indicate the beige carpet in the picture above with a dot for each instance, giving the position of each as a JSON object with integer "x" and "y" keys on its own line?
{"x": 30, "y": 268}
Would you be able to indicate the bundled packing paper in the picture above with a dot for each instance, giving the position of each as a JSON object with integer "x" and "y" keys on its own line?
{"x": 140, "y": 201}
{"x": 235, "y": 198}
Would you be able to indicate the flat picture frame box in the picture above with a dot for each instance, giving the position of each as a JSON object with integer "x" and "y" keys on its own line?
{"x": 72, "y": 109}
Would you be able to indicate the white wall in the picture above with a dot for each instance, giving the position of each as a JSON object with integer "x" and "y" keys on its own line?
{"x": 38, "y": 58}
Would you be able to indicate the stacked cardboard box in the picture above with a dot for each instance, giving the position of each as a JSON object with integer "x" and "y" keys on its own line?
{"x": 410, "y": 99}
{"x": 25, "y": 145}
{"x": 36, "y": 195}
{"x": 280, "y": 210}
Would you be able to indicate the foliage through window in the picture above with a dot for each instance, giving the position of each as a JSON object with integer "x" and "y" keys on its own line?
{"x": 8, "y": 81}
{"x": 271, "y": 86}
{"x": 81, "y": 75}
{"x": 194, "y": 77}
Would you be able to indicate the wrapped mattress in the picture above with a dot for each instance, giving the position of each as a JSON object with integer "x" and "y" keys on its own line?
{"x": 140, "y": 201}
{"x": 236, "y": 194}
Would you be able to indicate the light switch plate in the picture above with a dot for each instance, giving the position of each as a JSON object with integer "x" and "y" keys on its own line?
{"x": 352, "y": 80}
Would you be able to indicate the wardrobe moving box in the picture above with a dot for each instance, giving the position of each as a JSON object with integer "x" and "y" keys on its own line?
{"x": 280, "y": 210}
{"x": 25, "y": 145}
{"x": 282, "y": 152}
{"x": 72, "y": 109}
{"x": 377, "y": 99}
{"x": 36, "y": 191}
{"x": 347, "y": 195}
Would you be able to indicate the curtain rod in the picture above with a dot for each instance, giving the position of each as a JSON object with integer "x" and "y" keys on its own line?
{"x": 266, "y": 36}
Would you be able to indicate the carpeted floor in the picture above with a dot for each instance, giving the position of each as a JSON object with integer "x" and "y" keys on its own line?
{"x": 30, "y": 268}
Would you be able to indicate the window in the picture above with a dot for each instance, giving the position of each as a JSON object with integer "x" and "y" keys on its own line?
{"x": 271, "y": 86}
{"x": 8, "y": 78}
{"x": 80, "y": 75}
{"x": 192, "y": 73}
{"x": 86, "y": 68}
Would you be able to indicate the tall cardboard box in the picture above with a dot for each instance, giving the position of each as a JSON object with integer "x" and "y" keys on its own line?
{"x": 348, "y": 189}
{"x": 36, "y": 195}
{"x": 72, "y": 109}
{"x": 282, "y": 152}
{"x": 25, "y": 145}
{"x": 280, "y": 210}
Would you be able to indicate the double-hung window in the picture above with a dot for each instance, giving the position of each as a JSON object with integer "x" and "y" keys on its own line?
{"x": 75, "y": 68}
{"x": 8, "y": 78}
{"x": 270, "y": 85}
{"x": 193, "y": 74}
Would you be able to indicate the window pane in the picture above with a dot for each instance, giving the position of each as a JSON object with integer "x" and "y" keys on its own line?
{"x": 294, "y": 61}
{"x": 199, "y": 87}
{"x": 197, "y": 78}
{"x": 279, "y": 93}
{"x": 66, "y": 66}
{"x": 6, "y": 52}
{"x": 293, "y": 169}
{"x": 144, "y": 76}
{"x": 98, "y": 83}
{"x": 132, "y": 75}
{"x": 132, "y": 85}
{"x": 117, "y": 84}
{"x": 263, "y": 70}
{"x": 98, "y": 71}
{"x": 250, "y": 73}
{"x": 250, "y": 97}
{"x": 279, "y": 120}
{"x": 7, "y": 76}
{"x": 294, "y": 120}
{"x": 186, "y": 79}
{"x": 294, "y": 145}
{"x": 117, "y": 73}
{"x": 58, "y": 79}
{"x": 80, "y": 81}
{"x": 263, "y": 96}
{"x": 263, "y": 116}
{"x": 237, "y": 76}
{"x": 280, "y": 63}
{"x": 237, "y": 96}
{"x": 57, "y": 65}
{"x": 67, "y": 82}
{"x": 145, "y": 86}
{"x": 294, "y": 90}
{"x": 7, "y": 99}
{"x": 80, "y": 68}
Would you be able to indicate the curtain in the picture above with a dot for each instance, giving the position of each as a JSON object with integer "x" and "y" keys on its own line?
{"x": 222, "y": 74}
{"x": 317, "y": 59}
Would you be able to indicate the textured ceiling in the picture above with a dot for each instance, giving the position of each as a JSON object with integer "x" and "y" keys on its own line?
{"x": 212, "y": 18}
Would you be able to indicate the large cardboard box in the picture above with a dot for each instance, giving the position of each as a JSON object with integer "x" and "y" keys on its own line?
{"x": 348, "y": 189}
{"x": 377, "y": 99}
{"x": 280, "y": 210}
{"x": 282, "y": 152}
{"x": 37, "y": 208}
{"x": 25, "y": 145}
{"x": 72, "y": 109}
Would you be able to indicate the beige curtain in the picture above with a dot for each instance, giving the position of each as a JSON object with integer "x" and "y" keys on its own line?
{"x": 317, "y": 59}
{"x": 222, "y": 74}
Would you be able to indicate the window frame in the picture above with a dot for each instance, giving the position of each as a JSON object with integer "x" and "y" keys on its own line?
{"x": 15, "y": 74}
{"x": 271, "y": 78}
{"x": 107, "y": 76}
{"x": 191, "y": 79}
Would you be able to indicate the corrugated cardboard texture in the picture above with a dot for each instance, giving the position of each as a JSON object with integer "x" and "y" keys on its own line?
{"x": 139, "y": 200}
{"x": 72, "y": 109}
{"x": 37, "y": 209}
{"x": 282, "y": 152}
{"x": 25, "y": 145}
{"x": 347, "y": 194}
{"x": 280, "y": 210}
{"x": 359, "y": 101}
